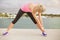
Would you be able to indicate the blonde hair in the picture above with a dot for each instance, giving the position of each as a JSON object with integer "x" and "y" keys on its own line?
{"x": 39, "y": 8}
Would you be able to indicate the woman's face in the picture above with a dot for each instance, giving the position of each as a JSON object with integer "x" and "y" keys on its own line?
{"x": 40, "y": 8}
{"x": 37, "y": 9}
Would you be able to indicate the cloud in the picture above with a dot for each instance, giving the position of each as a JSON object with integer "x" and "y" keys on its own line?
{"x": 56, "y": 1}
{"x": 14, "y": 5}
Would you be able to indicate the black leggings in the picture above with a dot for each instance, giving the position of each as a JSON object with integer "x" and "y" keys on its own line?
{"x": 20, "y": 13}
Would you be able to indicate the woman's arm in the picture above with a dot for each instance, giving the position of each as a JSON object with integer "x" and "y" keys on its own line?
{"x": 39, "y": 25}
{"x": 40, "y": 18}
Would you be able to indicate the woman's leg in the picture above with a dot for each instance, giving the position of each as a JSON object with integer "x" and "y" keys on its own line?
{"x": 38, "y": 24}
{"x": 33, "y": 19}
{"x": 20, "y": 13}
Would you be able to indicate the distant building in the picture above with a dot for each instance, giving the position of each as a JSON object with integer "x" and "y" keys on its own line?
{"x": 11, "y": 15}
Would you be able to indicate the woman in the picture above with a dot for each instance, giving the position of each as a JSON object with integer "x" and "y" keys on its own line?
{"x": 31, "y": 10}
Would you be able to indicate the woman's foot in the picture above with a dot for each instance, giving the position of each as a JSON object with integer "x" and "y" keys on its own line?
{"x": 5, "y": 33}
{"x": 44, "y": 34}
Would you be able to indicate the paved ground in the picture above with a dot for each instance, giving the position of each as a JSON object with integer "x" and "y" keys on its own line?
{"x": 30, "y": 34}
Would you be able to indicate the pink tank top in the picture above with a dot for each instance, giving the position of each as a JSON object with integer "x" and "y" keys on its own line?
{"x": 25, "y": 8}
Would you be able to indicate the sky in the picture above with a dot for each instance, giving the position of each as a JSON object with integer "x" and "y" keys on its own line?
{"x": 12, "y": 6}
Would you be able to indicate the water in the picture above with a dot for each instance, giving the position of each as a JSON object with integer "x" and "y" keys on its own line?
{"x": 26, "y": 23}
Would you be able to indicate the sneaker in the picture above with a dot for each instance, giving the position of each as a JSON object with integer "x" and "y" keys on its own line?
{"x": 44, "y": 34}
{"x": 5, "y": 33}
